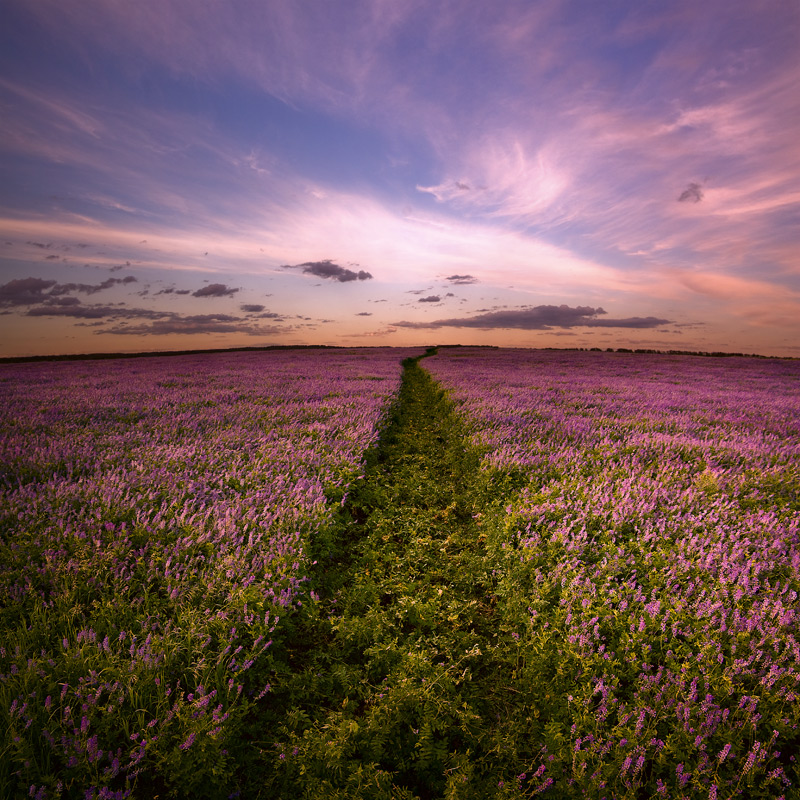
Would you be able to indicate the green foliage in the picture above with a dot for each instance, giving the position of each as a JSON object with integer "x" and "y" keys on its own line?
{"x": 413, "y": 684}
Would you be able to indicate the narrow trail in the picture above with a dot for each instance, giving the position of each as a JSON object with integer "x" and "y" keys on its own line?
{"x": 401, "y": 683}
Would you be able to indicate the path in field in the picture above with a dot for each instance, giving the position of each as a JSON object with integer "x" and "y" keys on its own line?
{"x": 405, "y": 680}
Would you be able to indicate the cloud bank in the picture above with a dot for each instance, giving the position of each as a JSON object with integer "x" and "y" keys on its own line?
{"x": 538, "y": 318}
{"x": 48, "y": 298}
{"x": 30, "y": 291}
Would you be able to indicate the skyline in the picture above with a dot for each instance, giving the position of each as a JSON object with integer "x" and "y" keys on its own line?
{"x": 556, "y": 174}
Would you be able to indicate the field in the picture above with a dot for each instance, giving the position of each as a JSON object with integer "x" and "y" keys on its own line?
{"x": 156, "y": 515}
{"x": 287, "y": 574}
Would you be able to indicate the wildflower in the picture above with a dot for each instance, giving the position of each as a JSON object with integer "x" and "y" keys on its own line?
{"x": 189, "y": 742}
{"x": 751, "y": 758}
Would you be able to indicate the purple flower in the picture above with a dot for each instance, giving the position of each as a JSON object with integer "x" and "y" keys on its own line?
{"x": 189, "y": 742}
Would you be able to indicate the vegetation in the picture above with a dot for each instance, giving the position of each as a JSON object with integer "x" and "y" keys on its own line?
{"x": 577, "y": 578}
{"x": 408, "y": 685}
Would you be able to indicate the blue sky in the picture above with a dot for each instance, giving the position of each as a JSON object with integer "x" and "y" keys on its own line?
{"x": 575, "y": 174}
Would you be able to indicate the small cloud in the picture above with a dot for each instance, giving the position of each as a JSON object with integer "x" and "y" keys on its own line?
{"x": 330, "y": 271}
{"x": 259, "y": 312}
{"x": 364, "y": 314}
{"x": 431, "y": 298}
{"x": 215, "y": 290}
{"x": 693, "y": 192}
{"x": 461, "y": 280}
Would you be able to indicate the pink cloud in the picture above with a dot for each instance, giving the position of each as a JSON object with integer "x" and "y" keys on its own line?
{"x": 729, "y": 287}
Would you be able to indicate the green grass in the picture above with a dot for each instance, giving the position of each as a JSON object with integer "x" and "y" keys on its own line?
{"x": 404, "y": 681}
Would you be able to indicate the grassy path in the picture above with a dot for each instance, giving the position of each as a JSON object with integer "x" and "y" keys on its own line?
{"x": 405, "y": 684}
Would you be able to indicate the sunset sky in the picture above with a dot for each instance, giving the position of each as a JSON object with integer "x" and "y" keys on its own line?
{"x": 178, "y": 174}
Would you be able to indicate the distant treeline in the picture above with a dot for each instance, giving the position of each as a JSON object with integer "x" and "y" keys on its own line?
{"x": 715, "y": 354}
{"x": 146, "y": 354}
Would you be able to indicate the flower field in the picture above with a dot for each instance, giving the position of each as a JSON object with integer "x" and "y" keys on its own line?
{"x": 650, "y": 563}
{"x": 566, "y": 574}
{"x": 156, "y": 515}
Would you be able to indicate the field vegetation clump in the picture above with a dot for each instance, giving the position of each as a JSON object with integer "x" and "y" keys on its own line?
{"x": 156, "y": 515}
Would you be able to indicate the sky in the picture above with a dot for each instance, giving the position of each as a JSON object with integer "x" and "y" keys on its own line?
{"x": 178, "y": 174}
